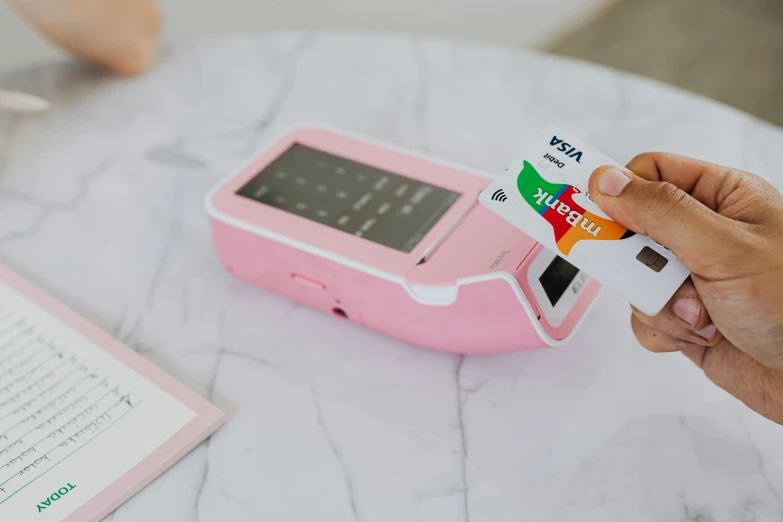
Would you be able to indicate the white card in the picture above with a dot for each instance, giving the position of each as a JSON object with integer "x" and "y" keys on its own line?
{"x": 545, "y": 194}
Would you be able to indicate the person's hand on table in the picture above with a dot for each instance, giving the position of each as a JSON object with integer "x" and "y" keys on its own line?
{"x": 120, "y": 36}
{"x": 726, "y": 226}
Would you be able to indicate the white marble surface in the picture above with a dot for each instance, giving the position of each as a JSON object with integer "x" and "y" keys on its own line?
{"x": 101, "y": 204}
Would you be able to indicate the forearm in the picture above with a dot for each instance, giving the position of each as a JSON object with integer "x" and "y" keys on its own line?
{"x": 118, "y": 35}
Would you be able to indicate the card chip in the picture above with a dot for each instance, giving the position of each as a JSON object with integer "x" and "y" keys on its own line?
{"x": 652, "y": 259}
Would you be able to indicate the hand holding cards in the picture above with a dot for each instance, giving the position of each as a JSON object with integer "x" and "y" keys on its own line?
{"x": 545, "y": 194}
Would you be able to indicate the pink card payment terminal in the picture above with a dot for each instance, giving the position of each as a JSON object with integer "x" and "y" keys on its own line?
{"x": 394, "y": 241}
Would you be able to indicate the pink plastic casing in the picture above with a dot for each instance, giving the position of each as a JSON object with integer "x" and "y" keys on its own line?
{"x": 466, "y": 297}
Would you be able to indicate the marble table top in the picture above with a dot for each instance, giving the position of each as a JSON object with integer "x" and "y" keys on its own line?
{"x": 101, "y": 204}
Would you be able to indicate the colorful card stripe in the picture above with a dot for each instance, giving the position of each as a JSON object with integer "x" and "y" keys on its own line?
{"x": 570, "y": 222}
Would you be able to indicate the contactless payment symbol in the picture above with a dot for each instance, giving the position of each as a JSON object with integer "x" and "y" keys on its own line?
{"x": 569, "y": 220}
{"x": 499, "y": 195}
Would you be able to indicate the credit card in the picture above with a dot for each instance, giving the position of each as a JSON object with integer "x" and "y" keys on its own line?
{"x": 544, "y": 193}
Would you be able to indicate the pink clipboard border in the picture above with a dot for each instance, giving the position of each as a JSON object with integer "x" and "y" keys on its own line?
{"x": 208, "y": 417}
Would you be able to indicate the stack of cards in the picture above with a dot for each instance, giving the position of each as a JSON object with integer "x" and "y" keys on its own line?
{"x": 544, "y": 193}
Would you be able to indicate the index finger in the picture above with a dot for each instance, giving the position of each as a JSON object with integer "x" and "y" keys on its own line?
{"x": 700, "y": 179}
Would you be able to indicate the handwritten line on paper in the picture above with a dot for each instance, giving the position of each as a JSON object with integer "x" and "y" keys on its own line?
{"x": 51, "y": 419}
{"x": 50, "y": 435}
{"x": 56, "y": 401}
{"x": 90, "y": 430}
{"x": 13, "y": 354}
{"x": 69, "y": 454}
{"x": 23, "y": 407}
{"x": 43, "y": 379}
{"x": 31, "y": 373}
{"x": 31, "y": 387}
{"x": 61, "y": 390}
{"x": 24, "y": 363}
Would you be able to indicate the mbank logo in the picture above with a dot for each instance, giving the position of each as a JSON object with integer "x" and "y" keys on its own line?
{"x": 570, "y": 222}
{"x": 569, "y": 150}
{"x": 574, "y": 217}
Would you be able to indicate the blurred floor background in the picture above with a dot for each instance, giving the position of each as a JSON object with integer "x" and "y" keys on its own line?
{"x": 728, "y": 50}
{"x": 515, "y": 23}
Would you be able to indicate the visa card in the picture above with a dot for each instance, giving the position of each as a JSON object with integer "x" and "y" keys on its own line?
{"x": 544, "y": 193}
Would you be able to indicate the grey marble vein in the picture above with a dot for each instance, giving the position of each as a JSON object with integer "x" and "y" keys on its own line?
{"x": 349, "y": 484}
{"x": 462, "y": 435}
{"x": 47, "y": 208}
{"x": 762, "y": 465}
{"x": 170, "y": 241}
{"x": 250, "y": 134}
{"x": 173, "y": 155}
{"x": 221, "y": 321}
{"x": 244, "y": 504}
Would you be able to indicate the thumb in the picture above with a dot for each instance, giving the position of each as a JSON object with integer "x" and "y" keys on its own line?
{"x": 663, "y": 212}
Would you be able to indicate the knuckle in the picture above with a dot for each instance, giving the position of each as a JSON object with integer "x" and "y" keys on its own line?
{"x": 648, "y": 160}
{"x": 644, "y": 165}
{"x": 642, "y": 159}
{"x": 663, "y": 199}
{"x": 667, "y": 195}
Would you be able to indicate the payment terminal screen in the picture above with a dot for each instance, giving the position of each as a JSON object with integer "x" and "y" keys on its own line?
{"x": 374, "y": 204}
{"x": 556, "y": 278}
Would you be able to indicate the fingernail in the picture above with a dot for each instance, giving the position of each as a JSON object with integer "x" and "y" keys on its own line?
{"x": 612, "y": 181}
{"x": 688, "y": 309}
{"x": 708, "y": 332}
